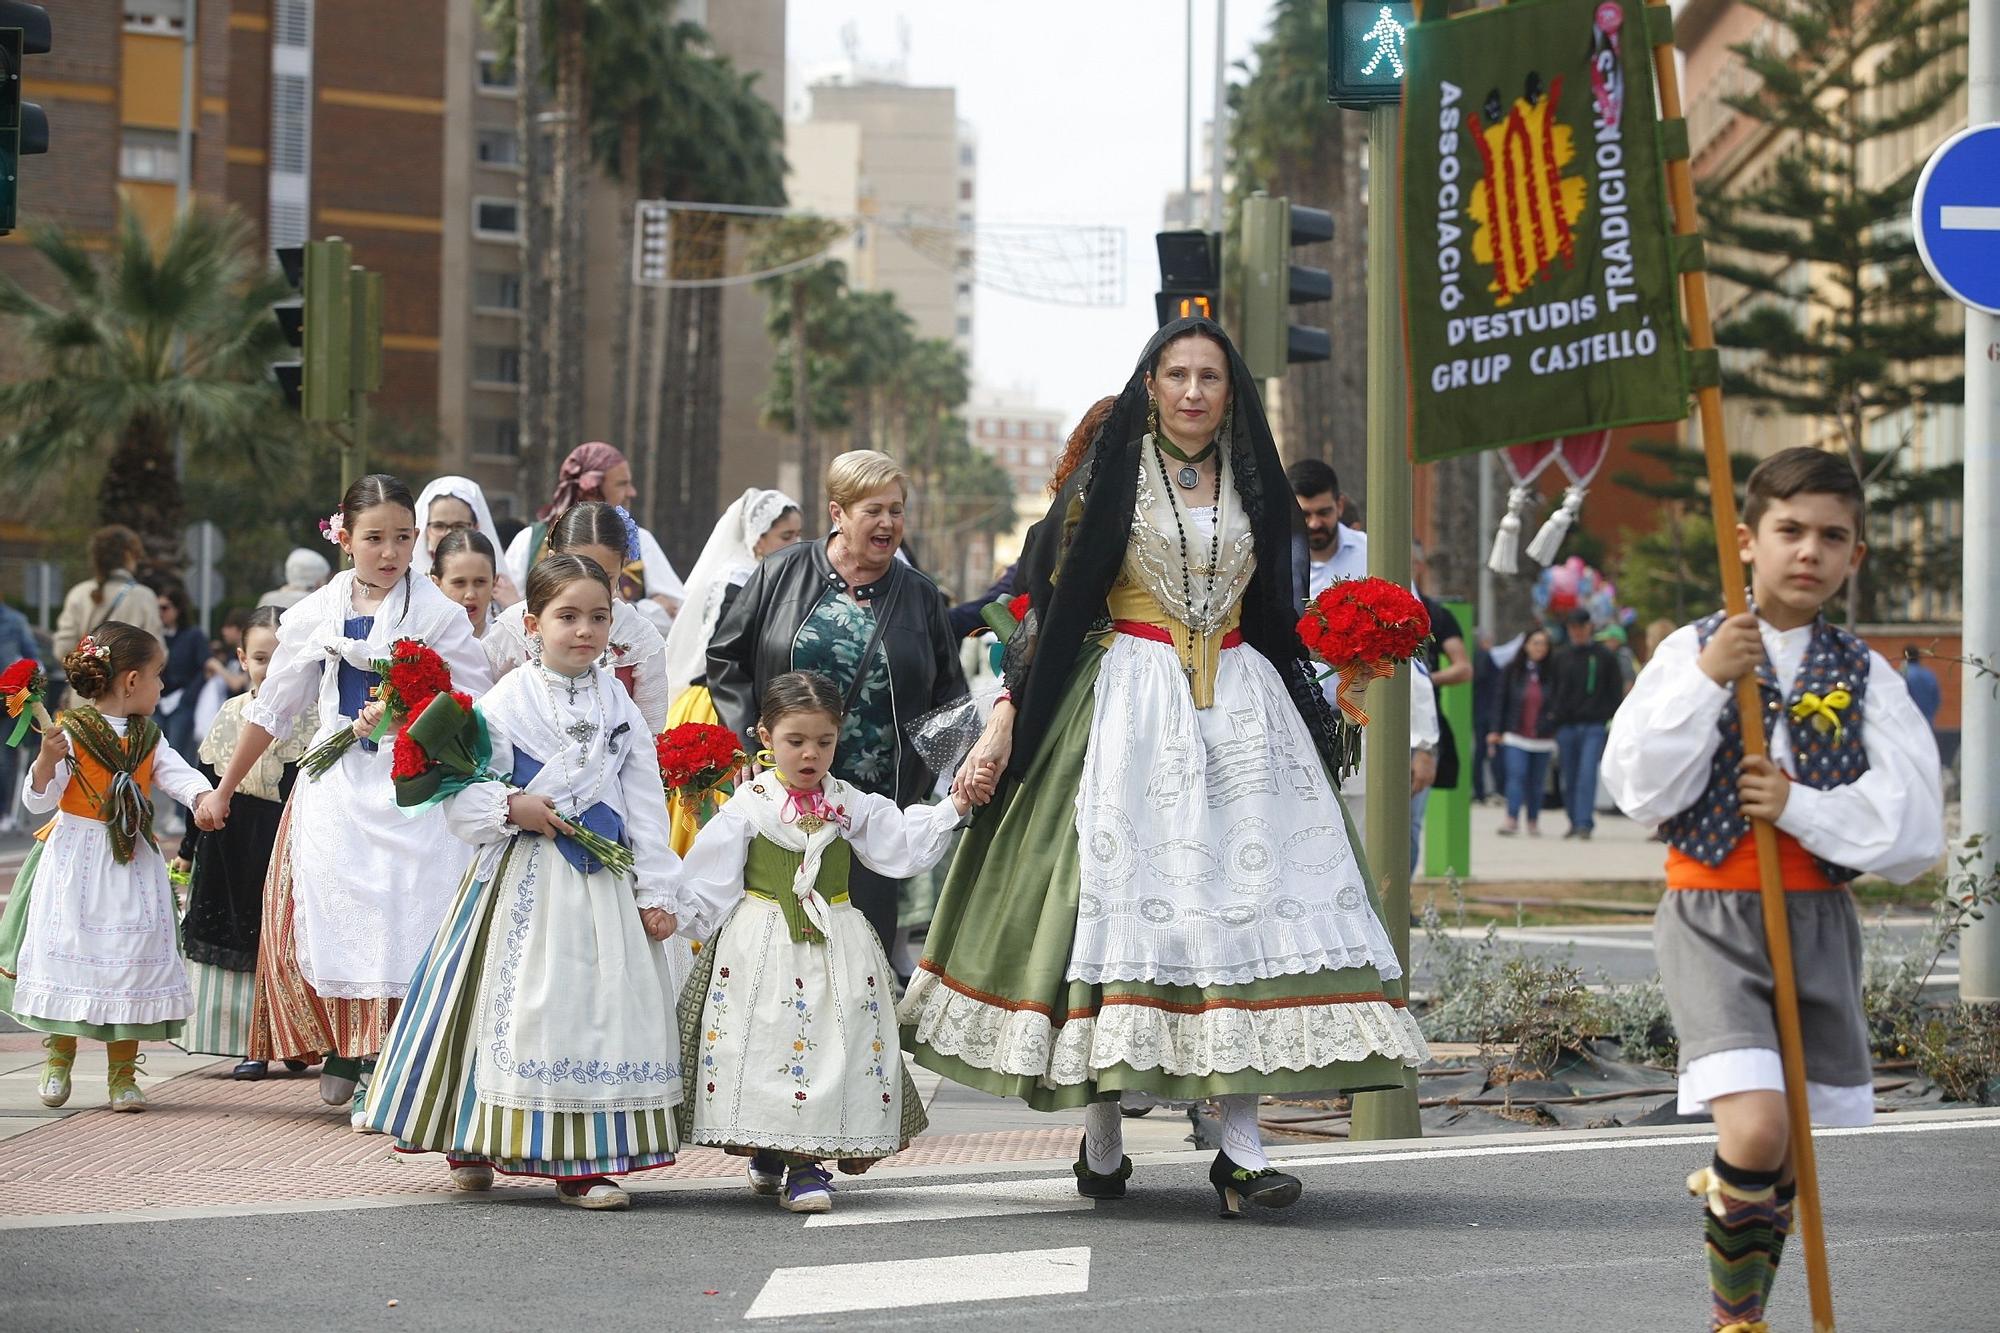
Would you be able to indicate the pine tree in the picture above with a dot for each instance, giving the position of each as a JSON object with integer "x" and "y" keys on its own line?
{"x": 1840, "y": 324}
{"x": 1661, "y": 572}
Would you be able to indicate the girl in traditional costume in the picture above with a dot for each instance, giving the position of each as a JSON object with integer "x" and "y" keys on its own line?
{"x": 462, "y": 566}
{"x": 788, "y": 1024}
{"x": 541, "y": 1038}
{"x": 228, "y": 866}
{"x": 356, "y": 888}
{"x": 1167, "y": 902}
{"x": 636, "y": 653}
{"x": 87, "y": 943}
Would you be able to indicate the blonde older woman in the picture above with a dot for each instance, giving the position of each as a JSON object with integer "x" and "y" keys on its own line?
{"x": 846, "y": 607}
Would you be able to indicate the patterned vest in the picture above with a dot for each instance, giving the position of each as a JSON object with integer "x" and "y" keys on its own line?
{"x": 1835, "y": 659}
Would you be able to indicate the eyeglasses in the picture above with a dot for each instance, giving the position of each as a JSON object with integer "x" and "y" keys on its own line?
{"x": 442, "y": 527}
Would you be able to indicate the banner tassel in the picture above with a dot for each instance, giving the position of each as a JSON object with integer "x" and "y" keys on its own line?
{"x": 1549, "y": 540}
{"x": 1507, "y": 541}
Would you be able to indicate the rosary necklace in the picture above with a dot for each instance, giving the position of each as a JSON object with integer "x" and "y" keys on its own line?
{"x": 1187, "y": 476}
{"x": 1214, "y": 548}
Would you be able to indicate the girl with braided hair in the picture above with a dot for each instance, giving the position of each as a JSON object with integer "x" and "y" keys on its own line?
{"x": 1167, "y": 902}
{"x": 88, "y": 943}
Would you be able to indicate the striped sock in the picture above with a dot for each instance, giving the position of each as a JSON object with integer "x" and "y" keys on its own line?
{"x": 1786, "y": 1199}
{"x": 1739, "y": 1221}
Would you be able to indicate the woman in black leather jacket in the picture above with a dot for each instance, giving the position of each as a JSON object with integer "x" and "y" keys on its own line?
{"x": 816, "y": 606}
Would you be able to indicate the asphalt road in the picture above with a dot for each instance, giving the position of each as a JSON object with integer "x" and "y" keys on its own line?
{"x": 1543, "y": 1232}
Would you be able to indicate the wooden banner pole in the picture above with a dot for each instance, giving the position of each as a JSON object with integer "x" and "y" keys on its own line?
{"x": 1777, "y": 924}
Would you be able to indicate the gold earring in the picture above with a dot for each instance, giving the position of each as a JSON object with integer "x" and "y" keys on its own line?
{"x": 767, "y": 759}
{"x": 1152, "y": 416}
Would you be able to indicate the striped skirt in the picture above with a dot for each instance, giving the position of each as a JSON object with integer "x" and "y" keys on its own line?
{"x": 223, "y": 1000}
{"x": 425, "y": 1093}
{"x": 289, "y": 1020}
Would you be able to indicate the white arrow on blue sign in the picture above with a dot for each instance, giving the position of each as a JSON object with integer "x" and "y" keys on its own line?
{"x": 1957, "y": 216}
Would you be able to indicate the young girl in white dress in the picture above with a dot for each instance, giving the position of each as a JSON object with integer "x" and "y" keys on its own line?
{"x": 788, "y": 1024}
{"x": 637, "y": 652}
{"x": 463, "y": 567}
{"x": 357, "y": 888}
{"x": 89, "y": 943}
{"x": 540, "y": 1039}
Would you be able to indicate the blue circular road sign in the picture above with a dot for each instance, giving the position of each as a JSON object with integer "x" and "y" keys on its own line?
{"x": 1957, "y": 216}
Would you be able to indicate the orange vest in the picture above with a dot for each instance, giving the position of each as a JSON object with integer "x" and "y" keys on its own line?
{"x": 78, "y": 801}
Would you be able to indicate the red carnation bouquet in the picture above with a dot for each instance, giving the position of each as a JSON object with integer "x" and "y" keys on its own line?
{"x": 23, "y": 687}
{"x": 1362, "y": 628}
{"x": 411, "y": 676}
{"x": 698, "y": 764}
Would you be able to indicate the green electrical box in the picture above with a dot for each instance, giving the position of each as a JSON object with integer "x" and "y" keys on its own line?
{"x": 1364, "y": 57}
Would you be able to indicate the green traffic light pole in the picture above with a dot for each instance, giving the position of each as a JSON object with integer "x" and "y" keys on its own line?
{"x": 1391, "y": 1114}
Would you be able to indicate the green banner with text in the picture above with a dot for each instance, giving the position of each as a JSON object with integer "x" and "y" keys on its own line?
{"x": 1542, "y": 298}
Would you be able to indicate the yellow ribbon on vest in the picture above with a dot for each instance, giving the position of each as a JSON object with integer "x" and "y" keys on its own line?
{"x": 1200, "y": 654}
{"x": 1822, "y": 710}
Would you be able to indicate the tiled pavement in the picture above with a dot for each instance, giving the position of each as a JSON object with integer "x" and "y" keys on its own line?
{"x": 209, "y": 1143}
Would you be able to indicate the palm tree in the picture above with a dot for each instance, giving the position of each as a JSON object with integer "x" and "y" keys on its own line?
{"x": 804, "y": 302}
{"x": 152, "y": 342}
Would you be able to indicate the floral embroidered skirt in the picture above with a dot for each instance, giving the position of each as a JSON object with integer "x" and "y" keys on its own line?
{"x": 792, "y": 1047}
{"x": 993, "y": 1004}
{"x": 539, "y": 1031}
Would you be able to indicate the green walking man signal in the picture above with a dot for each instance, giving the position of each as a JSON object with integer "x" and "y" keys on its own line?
{"x": 24, "y": 129}
{"x": 1364, "y": 57}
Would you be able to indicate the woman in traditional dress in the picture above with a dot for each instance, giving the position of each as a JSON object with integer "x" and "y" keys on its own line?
{"x": 541, "y": 1038}
{"x": 457, "y": 504}
{"x": 596, "y": 471}
{"x": 637, "y": 652}
{"x": 846, "y": 607}
{"x": 357, "y": 888}
{"x": 757, "y": 524}
{"x": 1167, "y": 902}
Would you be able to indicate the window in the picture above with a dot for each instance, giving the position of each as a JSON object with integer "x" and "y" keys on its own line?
{"x": 291, "y": 24}
{"x": 965, "y": 155}
{"x": 149, "y": 155}
{"x": 495, "y": 75}
{"x": 496, "y": 219}
{"x": 500, "y": 438}
{"x": 289, "y": 126}
{"x": 964, "y": 327}
{"x": 499, "y": 148}
{"x": 496, "y": 365}
{"x": 161, "y": 16}
{"x": 965, "y": 189}
{"x": 501, "y": 503}
{"x": 496, "y": 291}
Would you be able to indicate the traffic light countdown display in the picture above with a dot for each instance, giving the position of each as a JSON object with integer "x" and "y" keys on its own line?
{"x": 24, "y": 129}
{"x": 1190, "y": 275}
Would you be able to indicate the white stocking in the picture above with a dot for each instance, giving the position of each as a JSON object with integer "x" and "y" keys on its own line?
{"x": 1103, "y": 1138}
{"x": 1242, "y": 1141}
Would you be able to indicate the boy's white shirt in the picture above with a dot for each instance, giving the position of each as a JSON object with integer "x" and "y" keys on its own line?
{"x": 1889, "y": 822}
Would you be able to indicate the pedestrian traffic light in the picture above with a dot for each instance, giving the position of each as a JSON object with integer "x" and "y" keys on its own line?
{"x": 1364, "y": 51}
{"x": 1272, "y": 284}
{"x": 1190, "y": 275}
{"x": 320, "y": 323}
{"x": 24, "y": 130}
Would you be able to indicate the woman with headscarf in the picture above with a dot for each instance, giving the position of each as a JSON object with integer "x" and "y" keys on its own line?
{"x": 596, "y": 471}
{"x": 1167, "y": 901}
{"x": 452, "y": 503}
{"x": 846, "y": 607}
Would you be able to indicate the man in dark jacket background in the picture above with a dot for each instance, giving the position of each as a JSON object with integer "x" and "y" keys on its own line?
{"x": 1586, "y": 687}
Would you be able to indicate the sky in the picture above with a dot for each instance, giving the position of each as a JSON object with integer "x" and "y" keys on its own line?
{"x": 1078, "y": 107}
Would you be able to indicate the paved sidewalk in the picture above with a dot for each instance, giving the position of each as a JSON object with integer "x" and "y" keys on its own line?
{"x": 210, "y": 1142}
{"x": 1618, "y": 850}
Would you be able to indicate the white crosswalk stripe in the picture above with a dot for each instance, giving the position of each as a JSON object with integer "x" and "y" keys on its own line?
{"x": 901, "y": 1283}
{"x": 936, "y": 1203}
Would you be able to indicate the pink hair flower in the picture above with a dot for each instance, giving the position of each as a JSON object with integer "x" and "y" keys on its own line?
{"x": 332, "y": 526}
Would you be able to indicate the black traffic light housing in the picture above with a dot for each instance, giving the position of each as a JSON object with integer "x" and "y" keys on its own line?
{"x": 1273, "y": 284}
{"x": 24, "y": 129}
{"x": 1190, "y": 275}
{"x": 291, "y": 317}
